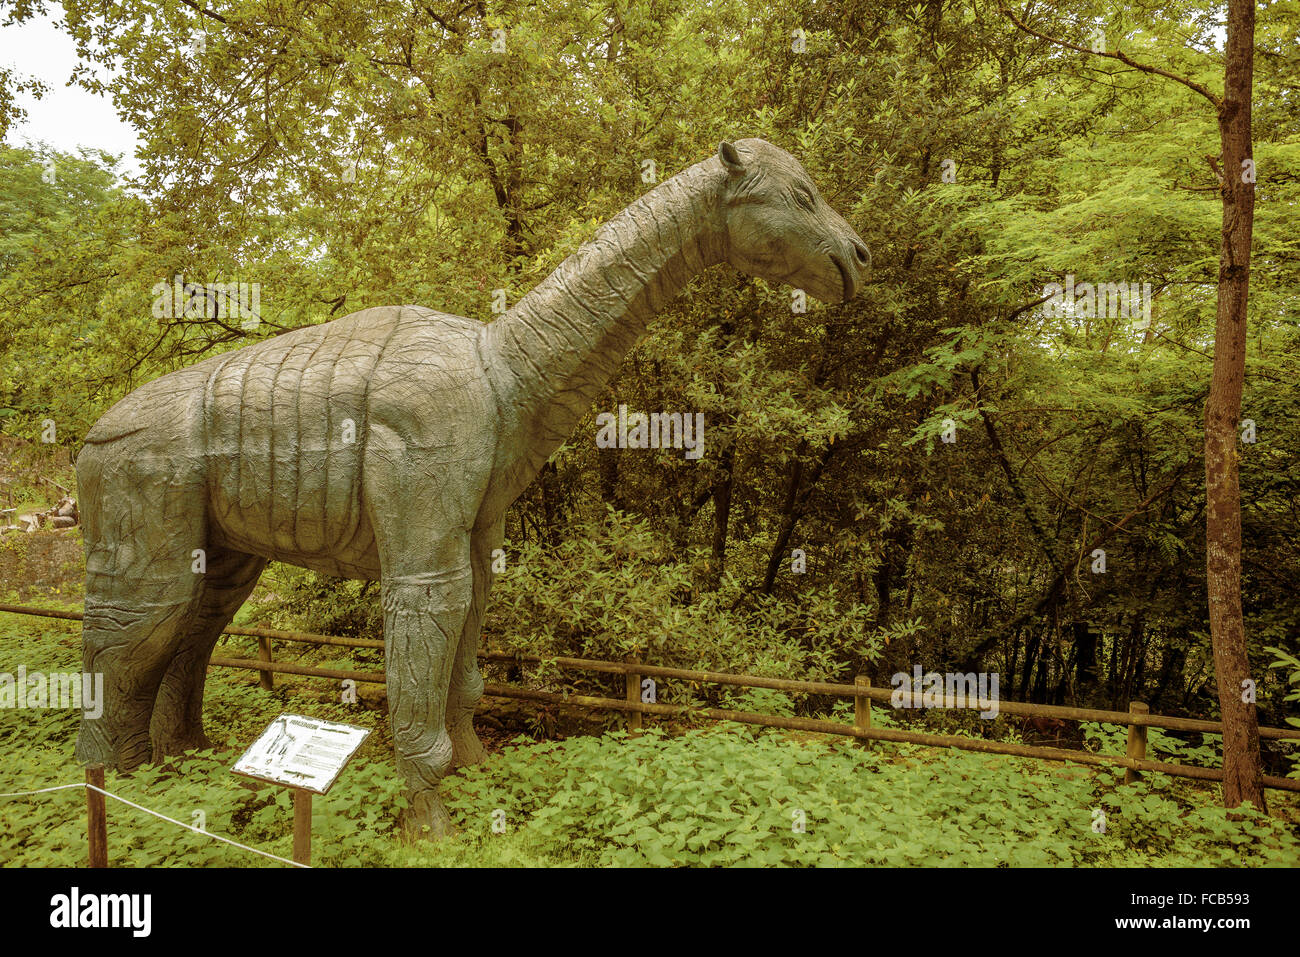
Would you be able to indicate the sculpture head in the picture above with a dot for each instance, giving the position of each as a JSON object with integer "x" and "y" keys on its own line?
{"x": 780, "y": 229}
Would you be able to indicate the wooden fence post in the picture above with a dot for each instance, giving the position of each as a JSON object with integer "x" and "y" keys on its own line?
{"x": 96, "y": 818}
{"x": 633, "y": 695}
{"x": 302, "y": 826}
{"x": 265, "y": 678}
{"x": 1137, "y": 741}
{"x": 862, "y": 709}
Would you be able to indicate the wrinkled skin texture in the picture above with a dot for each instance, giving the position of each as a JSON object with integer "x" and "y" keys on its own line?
{"x": 387, "y": 445}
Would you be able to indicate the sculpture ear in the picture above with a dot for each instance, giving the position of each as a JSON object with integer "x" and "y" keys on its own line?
{"x": 730, "y": 157}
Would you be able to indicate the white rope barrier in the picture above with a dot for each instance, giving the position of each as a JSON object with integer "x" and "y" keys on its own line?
{"x": 170, "y": 820}
{"x": 61, "y": 787}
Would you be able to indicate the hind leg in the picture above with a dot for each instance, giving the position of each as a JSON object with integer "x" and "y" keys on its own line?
{"x": 141, "y": 595}
{"x": 466, "y": 683}
{"x": 127, "y": 642}
{"x": 177, "y": 724}
{"x": 424, "y": 616}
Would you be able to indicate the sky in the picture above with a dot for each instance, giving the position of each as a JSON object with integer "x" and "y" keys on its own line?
{"x": 67, "y": 117}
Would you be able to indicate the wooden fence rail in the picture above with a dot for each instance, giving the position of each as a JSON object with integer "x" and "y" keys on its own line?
{"x": 1137, "y": 720}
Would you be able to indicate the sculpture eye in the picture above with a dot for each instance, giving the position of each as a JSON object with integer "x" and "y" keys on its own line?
{"x": 804, "y": 197}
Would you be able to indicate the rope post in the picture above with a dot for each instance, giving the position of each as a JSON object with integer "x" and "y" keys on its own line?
{"x": 96, "y": 818}
{"x": 301, "y": 826}
{"x": 862, "y": 709}
{"x": 1137, "y": 741}
{"x": 265, "y": 678}
{"x": 633, "y": 696}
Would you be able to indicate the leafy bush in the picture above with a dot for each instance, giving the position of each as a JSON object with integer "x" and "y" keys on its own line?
{"x": 1161, "y": 746}
{"x": 612, "y": 588}
{"x": 304, "y": 600}
{"x": 719, "y": 797}
{"x": 1290, "y": 665}
{"x": 726, "y": 795}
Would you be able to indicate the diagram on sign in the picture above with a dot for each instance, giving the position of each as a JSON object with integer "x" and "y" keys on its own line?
{"x": 301, "y": 752}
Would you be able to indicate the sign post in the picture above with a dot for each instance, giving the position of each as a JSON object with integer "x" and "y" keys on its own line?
{"x": 96, "y": 817}
{"x": 304, "y": 754}
{"x": 302, "y": 826}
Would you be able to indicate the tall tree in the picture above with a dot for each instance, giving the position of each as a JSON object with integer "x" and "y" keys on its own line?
{"x": 1242, "y": 768}
{"x": 1241, "y": 762}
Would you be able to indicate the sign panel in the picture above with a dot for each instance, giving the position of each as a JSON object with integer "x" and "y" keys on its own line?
{"x": 301, "y": 752}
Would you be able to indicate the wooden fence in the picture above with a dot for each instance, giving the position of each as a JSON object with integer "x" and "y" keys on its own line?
{"x": 1137, "y": 719}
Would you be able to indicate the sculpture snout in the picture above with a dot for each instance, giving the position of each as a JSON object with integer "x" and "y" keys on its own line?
{"x": 853, "y": 260}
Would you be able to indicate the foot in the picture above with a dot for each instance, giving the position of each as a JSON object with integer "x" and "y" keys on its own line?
{"x": 425, "y": 819}
{"x": 177, "y": 743}
{"x": 466, "y": 748}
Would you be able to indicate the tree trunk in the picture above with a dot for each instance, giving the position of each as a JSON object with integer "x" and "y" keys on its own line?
{"x": 1242, "y": 770}
{"x": 611, "y": 491}
{"x": 548, "y": 486}
{"x": 1085, "y": 646}
{"x": 1026, "y": 680}
{"x": 722, "y": 515}
{"x": 1175, "y": 659}
{"x": 1128, "y": 661}
{"x": 896, "y": 551}
{"x": 793, "y": 510}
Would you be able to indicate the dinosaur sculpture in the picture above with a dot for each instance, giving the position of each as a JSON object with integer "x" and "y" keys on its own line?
{"x": 310, "y": 448}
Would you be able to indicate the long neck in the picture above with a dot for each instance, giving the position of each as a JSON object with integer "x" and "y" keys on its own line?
{"x": 555, "y": 351}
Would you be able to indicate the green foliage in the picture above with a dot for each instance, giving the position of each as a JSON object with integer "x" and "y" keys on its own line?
{"x": 49, "y": 830}
{"x": 1289, "y": 665}
{"x": 723, "y": 798}
{"x": 63, "y": 255}
{"x": 1161, "y": 745}
{"x": 717, "y": 797}
{"x": 613, "y": 588}
{"x": 317, "y": 603}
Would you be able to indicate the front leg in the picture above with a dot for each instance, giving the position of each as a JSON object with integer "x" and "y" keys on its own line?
{"x": 426, "y": 469}
{"x": 424, "y": 617}
{"x": 466, "y": 682}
